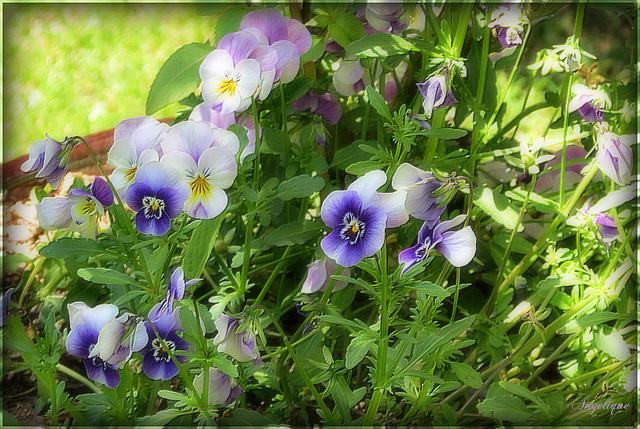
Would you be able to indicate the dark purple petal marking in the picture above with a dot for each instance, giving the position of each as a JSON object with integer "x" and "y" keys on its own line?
{"x": 101, "y": 190}
{"x": 135, "y": 193}
{"x": 102, "y": 372}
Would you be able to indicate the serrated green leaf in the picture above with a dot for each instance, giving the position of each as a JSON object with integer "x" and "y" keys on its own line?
{"x": 467, "y": 375}
{"x": 105, "y": 276}
{"x": 300, "y": 187}
{"x": 77, "y": 248}
{"x": 432, "y": 289}
{"x": 178, "y": 76}
{"x": 507, "y": 408}
{"x": 379, "y": 45}
{"x": 496, "y": 205}
{"x": 357, "y": 350}
{"x": 581, "y": 323}
{"x": 225, "y": 365}
{"x": 377, "y": 102}
{"x": 360, "y": 168}
{"x": 346, "y": 28}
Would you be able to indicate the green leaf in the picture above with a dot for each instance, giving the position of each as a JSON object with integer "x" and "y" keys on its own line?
{"x": 522, "y": 391}
{"x": 229, "y": 22}
{"x": 293, "y": 233}
{"x": 467, "y": 375}
{"x": 129, "y": 296}
{"x": 161, "y": 418}
{"x": 225, "y": 365}
{"x": 379, "y": 45}
{"x": 377, "y": 102}
{"x": 178, "y": 77}
{"x": 441, "y": 336}
{"x": 432, "y": 289}
{"x": 337, "y": 320}
{"x": 496, "y": 205}
{"x": 351, "y": 154}
{"x": 316, "y": 50}
{"x": 611, "y": 342}
{"x": 200, "y": 245}
{"x": 360, "y": 168}
{"x": 76, "y": 248}
{"x": 581, "y": 323}
{"x": 346, "y": 28}
{"x": 445, "y": 133}
{"x": 507, "y": 408}
{"x": 300, "y": 187}
{"x": 171, "y": 395}
{"x": 275, "y": 140}
{"x": 520, "y": 245}
{"x": 357, "y": 350}
{"x": 105, "y": 276}
{"x": 190, "y": 325}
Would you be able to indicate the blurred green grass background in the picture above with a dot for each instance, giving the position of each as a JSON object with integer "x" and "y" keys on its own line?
{"x": 73, "y": 69}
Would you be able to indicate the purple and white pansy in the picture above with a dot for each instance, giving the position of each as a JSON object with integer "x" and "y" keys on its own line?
{"x": 589, "y": 102}
{"x": 103, "y": 341}
{"x": 459, "y": 247}
{"x": 158, "y": 195}
{"x": 359, "y": 216}
{"x": 157, "y": 363}
{"x": 507, "y": 23}
{"x": 239, "y": 345}
{"x": 79, "y": 211}
{"x": 418, "y": 184}
{"x": 614, "y": 156}
{"x": 204, "y": 159}
{"x": 136, "y": 142}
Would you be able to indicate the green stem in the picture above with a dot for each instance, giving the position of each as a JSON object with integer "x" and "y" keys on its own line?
{"x": 514, "y": 232}
{"x": 37, "y": 266}
{"x": 482, "y": 79}
{"x": 565, "y": 127}
{"x": 328, "y": 414}
{"x": 381, "y": 361}
{"x": 455, "y": 298}
{"x": 82, "y": 379}
{"x": 273, "y": 276}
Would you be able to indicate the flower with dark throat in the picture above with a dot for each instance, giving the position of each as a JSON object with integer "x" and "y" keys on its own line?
{"x": 157, "y": 362}
{"x": 157, "y": 195}
{"x": 102, "y": 340}
{"x": 359, "y": 216}
{"x": 614, "y": 156}
{"x": 458, "y": 247}
{"x": 507, "y": 22}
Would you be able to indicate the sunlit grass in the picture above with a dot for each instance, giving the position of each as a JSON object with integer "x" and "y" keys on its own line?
{"x": 81, "y": 69}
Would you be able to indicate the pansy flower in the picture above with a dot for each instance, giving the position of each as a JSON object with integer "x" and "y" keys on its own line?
{"x": 79, "y": 211}
{"x": 350, "y": 77}
{"x": 222, "y": 391}
{"x": 324, "y": 105}
{"x": 49, "y": 159}
{"x": 100, "y": 339}
{"x": 437, "y": 93}
{"x": 239, "y": 345}
{"x": 175, "y": 292}
{"x": 419, "y": 185}
{"x": 157, "y": 195}
{"x": 589, "y": 102}
{"x": 507, "y": 22}
{"x": 204, "y": 158}
{"x": 386, "y": 17}
{"x": 359, "y": 216}
{"x": 614, "y": 156}
{"x": 157, "y": 363}
{"x": 136, "y": 142}
{"x": 458, "y": 247}
{"x": 319, "y": 276}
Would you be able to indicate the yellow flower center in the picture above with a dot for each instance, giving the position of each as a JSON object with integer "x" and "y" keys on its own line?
{"x": 228, "y": 87}
{"x": 200, "y": 188}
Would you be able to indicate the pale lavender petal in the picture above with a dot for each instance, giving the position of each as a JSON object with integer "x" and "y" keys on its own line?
{"x": 299, "y": 35}
{"x": 176, "y": 285}
{"x": 459, "y": 247}
{"x": 288, "y": 61}
{"x": 316, "y": 277}
{"x": 367, "y": 186}
{"x": 125, "y": 129}
{"x": 607, "y": 227}
{"x": 204, "y": 112}
{"x": 99, "y": 316}
{"x": 270, "y": 22}
{"x": 234, "y": 394}
{"x": 590, "y": 113}
{"x": 266, "y": 56}
{"x": 442, "y": 227}
{"x": 36, "y": 156}
{"x": 54, "y": 213}
{"x": 393, "y": 204}
{"x": 239, "y": 45}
